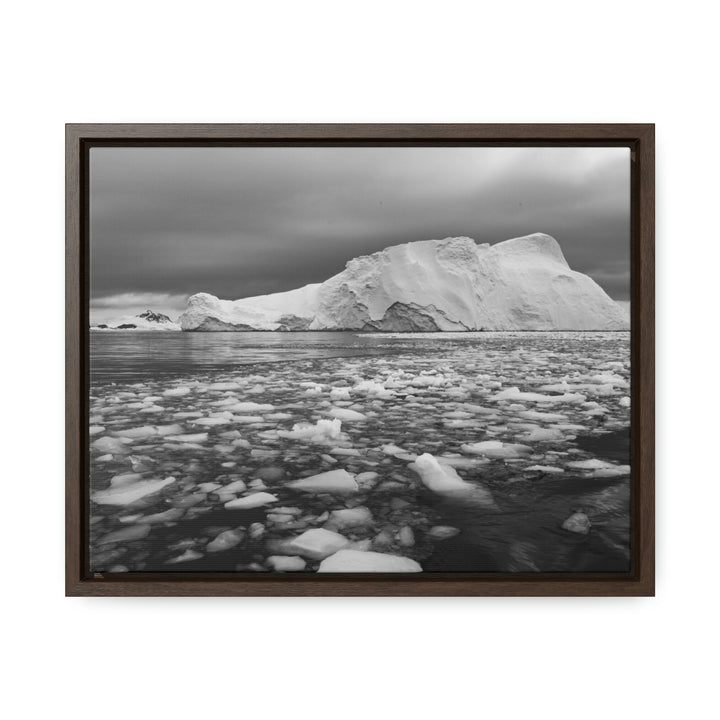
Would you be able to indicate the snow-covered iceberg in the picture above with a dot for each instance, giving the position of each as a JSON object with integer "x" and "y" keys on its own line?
{"x": 431, "y": 285}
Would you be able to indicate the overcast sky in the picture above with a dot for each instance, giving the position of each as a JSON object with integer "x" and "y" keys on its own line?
{"x": 236, "y": 222}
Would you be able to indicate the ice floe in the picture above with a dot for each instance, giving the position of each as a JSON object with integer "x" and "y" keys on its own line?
{"x": 125, "y": 494}
{"x": 350, "y": 517}
{"x": 496, "y": 449}
{"x": 317, "y": 543}
{"x": 333, "y": 481}
{"x": 548, "y": 469}
{"x": 251, "y": 501}
{"x": 578, "y": 523}
{"x": 226, "y": 540}
{"x": 128, "y": 534}
{"x": 370, "y": 562}
{"x": 321, "y": 431}
{"x": 347, "y": 415}
{"x": 285, "y": 563}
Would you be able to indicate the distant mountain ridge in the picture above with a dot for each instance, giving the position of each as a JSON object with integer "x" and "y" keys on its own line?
{"x": 452, "y": 284}
{"x": 147, "y": 320}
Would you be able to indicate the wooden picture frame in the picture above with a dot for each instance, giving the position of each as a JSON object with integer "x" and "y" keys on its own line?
{"x": 639, "y": 581}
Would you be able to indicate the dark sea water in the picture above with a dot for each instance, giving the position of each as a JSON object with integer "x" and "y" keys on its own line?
{"x": 563, "y": 436}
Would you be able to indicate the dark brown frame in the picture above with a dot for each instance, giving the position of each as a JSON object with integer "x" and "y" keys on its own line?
{"x": 640, "y": 138}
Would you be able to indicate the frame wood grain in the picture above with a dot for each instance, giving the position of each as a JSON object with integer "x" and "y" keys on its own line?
{"x": 640, "y": 581}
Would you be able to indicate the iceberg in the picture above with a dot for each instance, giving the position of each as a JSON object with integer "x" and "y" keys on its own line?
{"x": 454, "y": 284}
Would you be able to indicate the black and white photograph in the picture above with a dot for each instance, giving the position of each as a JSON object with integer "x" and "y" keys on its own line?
{"x": 359, "y": 359}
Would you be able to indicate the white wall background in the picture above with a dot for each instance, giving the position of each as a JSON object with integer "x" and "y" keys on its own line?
{"x": 373, "y": 61}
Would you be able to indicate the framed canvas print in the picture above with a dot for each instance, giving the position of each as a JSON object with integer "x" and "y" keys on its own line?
{"x": 360, "y": 360}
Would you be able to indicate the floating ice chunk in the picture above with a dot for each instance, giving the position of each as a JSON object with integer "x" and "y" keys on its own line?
{"x": 593, "y": 464}
{"x": 279, "y": 416}
{"x": 615, "y": 471}
{"x": 349, "y": 452}
{"x": 263, "y": 453}
{"x": 314, "y": 390}
{"x": 237, "y": 486}
{"x": 340, "y": 393}
{"x": 496, "y": 449}
{"x": 285, "y": 563}
{"x": 350, "y": 517}
{"x": 609, "y": 379}
{"x": 193, "y": 438}
{"x": 406, "y": 536}
{"x": 544, "y": 435}
{"x": 428, "y": 381}
{"x": 329, "y": 458}
{"x": 624, "y": 402}
{"x": 226, "y": 540}
{"x": 373, "y": 389}
{"x": 392, "y": 449}
{"x": 457, "y": 415}
{"x": 407, "y": 457}
{"x": 153, "y": 409}
{"x": 359, "y": 561}
{"x": 137, "y": 433}
{"x": 322, "y": 431}
{"x": 578, "y": 523}
{"x": 366, "y": 478}
{"x": 317, "y": 543}
{"x": 125, "y": 479}
{"x": 104, "y": 458}
{"x": 229, "y": 464}
{"x": 127, "y": 534}
{"x": 256, "y": 530}
{"x": 347, "y": 415}
{"x": 188, "y": 414}
{"x": 208, "y": 487}
{"x": 251, "y": 501}
{"x": 127, "y": 494}
{"x": 438, "y": 477}
{"x": 251, "y": 407}
{"x": 164, "y": 430}
{"x": 544, "y": 469}
{"x": 110, "y": 445}
{"x": 95, "y": 429}
{"x": 331, "y": 481}
{"x": 169, "y": 515}
{"x": 247, "y": 419}
{"x": 186, "y": 557}
{"x": 443, "y": 532}
{"x": 542, "y": 416}
{"x": 212, "y": 421}
{"x": 459, "y": 423}
{"x": 514, "y": 393}
{"x": 225, "y": 386}
{"x": 177, "y": 392}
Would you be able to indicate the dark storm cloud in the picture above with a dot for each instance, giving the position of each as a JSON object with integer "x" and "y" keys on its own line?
{"x": 236, "y": 222}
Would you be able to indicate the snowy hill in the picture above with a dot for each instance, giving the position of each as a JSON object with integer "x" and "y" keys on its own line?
{"x": 431, "y": 285}
{"x": 148, "y": 320}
